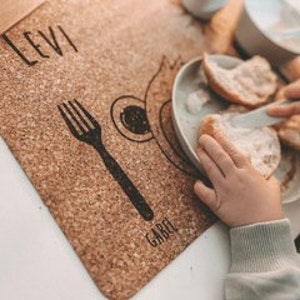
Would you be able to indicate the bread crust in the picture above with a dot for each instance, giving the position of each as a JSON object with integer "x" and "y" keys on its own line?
{"x": 218, "y": 88}
{"x": 208, "y": 126}
{"x": 230, "y": 96}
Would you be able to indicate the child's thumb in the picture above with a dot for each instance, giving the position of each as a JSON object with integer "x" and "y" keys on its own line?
{"x": 293, "y": 90}
{"x": 206, "y": 194}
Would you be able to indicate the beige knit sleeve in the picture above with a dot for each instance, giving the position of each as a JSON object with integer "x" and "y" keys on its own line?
{"x": 265, "y": 264}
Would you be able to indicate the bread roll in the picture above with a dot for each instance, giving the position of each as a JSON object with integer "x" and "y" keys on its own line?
{"x": 250, "y": 83}
{"x": 261, "y": 145}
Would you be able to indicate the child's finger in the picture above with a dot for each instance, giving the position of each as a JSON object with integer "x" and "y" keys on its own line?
{"x": 213, "y": 172}
{"x": 285, "y": 109}
{"x": 237, "y": 157}
{"x": 217, "y": 153}
{"x": 206, "y": 194}
{"x": 293, "y": 90}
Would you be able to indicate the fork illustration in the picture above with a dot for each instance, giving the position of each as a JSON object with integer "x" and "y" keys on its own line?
{"x": 85, "y": 128}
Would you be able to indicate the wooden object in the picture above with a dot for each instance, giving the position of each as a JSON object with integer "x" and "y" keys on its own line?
{"x": 12, "y": 11}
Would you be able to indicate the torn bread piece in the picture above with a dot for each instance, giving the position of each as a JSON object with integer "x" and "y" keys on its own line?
{"x": 260, "y": 145}
{"x": 250, "y": 83}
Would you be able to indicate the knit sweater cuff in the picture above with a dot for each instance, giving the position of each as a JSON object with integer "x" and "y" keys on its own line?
{"x": 262, "y": 247}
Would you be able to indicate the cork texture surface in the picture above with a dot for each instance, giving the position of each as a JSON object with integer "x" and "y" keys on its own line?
{"x": 85, "y": 108}
{"x": 122, "y": 191}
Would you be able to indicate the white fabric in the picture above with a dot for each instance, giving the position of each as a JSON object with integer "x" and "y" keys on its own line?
{"x": 265, "y": 264}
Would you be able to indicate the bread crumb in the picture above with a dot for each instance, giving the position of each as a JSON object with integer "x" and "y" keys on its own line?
{"x": 196, "y": 100}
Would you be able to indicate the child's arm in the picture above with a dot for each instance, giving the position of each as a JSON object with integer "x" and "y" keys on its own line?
{"x": 291, "y": 91}
{"x": 264, "y": 264}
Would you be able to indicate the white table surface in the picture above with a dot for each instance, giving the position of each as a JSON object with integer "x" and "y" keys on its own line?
{"x": 37, "y": 261}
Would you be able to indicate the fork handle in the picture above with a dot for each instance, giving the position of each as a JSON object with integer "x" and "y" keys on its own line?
{"x": 125, "y": 183}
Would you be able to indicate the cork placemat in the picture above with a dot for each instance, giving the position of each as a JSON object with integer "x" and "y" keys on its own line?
{"x": 85, "y": 108}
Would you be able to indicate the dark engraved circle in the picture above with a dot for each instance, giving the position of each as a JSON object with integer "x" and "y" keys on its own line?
{"x": 134, "y": 118}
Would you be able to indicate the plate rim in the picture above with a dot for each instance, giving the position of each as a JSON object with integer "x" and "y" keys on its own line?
{"x": 186, "y": 145}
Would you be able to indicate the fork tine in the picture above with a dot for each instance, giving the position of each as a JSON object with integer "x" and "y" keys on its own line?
{"x": 79, "y": 115}
{"x": 87, "y": 114}
{"x": 68, "y": 122}
{"x": 74, "y": 118}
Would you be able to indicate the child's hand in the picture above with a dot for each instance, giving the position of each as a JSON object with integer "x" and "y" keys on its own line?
{"x": 240, "y": 195}
{"x": 291, "y": 91}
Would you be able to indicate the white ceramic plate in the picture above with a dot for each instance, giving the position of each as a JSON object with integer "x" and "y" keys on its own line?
{"x": 270, "y": 28}
{"x": 190, "y": 79}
